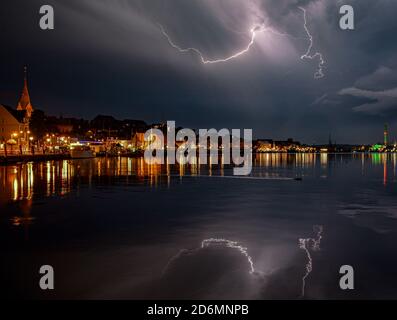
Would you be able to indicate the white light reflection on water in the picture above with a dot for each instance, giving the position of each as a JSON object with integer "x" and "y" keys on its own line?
{"x": 310, "y": 244}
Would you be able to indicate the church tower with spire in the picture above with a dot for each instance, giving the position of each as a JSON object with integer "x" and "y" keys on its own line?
{"x": 24, "y": 101}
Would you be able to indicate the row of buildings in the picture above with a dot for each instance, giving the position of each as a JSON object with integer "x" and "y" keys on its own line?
{"x": 24, "y": 128}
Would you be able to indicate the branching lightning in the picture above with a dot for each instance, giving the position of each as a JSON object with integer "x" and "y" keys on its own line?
{"x": 319, "y": 73}
{"x": 220, "y": 242}
{"x": 230, "y": 244}
{"x": 253, "y": 33}
{"x": 307, "y": 245}
{"x": 182, "y": 251}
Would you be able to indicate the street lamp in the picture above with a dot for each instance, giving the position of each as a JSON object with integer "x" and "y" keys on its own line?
{"x": 30, "y": 144}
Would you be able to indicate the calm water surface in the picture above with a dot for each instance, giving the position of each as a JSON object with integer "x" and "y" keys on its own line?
{"x": 118, "y": 228}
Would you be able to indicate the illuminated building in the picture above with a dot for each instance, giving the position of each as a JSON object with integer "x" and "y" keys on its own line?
{"x": 14, "y": 123}
{"x": 11, "y": 125}
{"x": 263, "y": 145}
{"x": 378, "y": 147}
{"x": 24, "y": 103}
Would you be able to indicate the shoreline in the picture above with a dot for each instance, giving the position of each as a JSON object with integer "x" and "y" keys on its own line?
{"x": 13, "y": 159}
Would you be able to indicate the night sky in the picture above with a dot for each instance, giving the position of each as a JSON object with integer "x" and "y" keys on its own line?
{"x": 110, "y": 57}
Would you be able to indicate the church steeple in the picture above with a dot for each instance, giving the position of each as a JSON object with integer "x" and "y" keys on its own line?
{"x": 24, "y": 100}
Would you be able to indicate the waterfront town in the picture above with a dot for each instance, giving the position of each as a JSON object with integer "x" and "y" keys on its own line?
{"x": 27, "y": 132}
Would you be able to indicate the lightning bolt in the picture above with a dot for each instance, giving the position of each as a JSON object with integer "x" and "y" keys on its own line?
{"x": 254, "y": 31}
{"x": 230, "y": 244}
{"x": 307, "y": 245}
{"x": 319, "y": 73}
{"x": 220, "y": 242}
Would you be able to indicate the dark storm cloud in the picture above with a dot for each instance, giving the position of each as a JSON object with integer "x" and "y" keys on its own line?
{"x": 111, "y": 57}
{"x": 375, "y": 88}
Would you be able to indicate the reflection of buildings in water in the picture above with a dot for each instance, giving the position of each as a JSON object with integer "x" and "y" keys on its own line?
{"x": 22, "y": 181}
{"x": 285, "y": 159}
{"x": 327, "y": 161}
{"x": 16, "y": 182}
{"x": 181, "y": 170}
{"x": 381, "y": 159}
{"x": 384, "y": 171}
{"x": 362, "y": 163}
{"x": 271, "y": 162}
{"x": 66, "y": 172}
{"x": 324, "y": 159}
{"x": 25, "y": 219}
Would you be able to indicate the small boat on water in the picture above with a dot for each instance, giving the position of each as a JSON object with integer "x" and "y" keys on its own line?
{"x": 81, "y": 152}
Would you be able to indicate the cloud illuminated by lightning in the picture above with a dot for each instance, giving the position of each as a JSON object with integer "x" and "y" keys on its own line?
{"x": 307, "y": 245}
{"x": 253, "y": 32}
